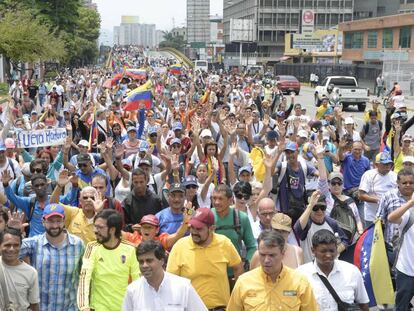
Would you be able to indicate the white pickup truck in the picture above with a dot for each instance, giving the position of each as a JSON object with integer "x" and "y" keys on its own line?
{"x": 346, "y": 88}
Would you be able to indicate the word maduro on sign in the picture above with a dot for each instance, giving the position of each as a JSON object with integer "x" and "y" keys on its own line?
{"x": 41, "y": 138}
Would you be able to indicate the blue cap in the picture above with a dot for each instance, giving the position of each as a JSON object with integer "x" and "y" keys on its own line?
{"x": 2, "y": 147}
{"x": 143, "y": 147}
{"x": 246, "y": 168}
{"x": 272, "y": 135}
{"x": 190, "y": 180}
{"x": 175, "y": 141}
{"x": 384, "y": 158}
{"x": 292, "y": 146}
{"x": 152, "y": 130}
{"x": 177, "y": 126}
{"x": 280, "y": 114}
{"x": 53, "y": 210}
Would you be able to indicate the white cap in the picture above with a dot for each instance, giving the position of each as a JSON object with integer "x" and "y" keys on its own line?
{"x": 349, "y": 120}
{"x": 206, "y": 133}
{"x": 409, "y": 159}
{"x": 303, "y": 134}
{"x": 84, "y": 143}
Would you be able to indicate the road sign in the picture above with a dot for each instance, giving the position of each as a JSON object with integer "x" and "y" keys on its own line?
{"x": 198, "y": 45}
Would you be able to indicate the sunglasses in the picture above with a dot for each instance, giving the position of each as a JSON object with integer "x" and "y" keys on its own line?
{"x": 37, "y": 170}
{"x": 336, "y": 183}
{"x": 241, "y": 196}
{"x": 319, "y": 207}
{"x": 83, "y": 164}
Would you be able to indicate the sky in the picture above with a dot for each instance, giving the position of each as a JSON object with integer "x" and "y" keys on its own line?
{"x": 159, "y": 12}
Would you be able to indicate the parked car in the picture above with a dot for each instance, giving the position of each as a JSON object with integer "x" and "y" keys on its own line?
{"x": 346, "y": 87}
{"x": 288, "y": 84}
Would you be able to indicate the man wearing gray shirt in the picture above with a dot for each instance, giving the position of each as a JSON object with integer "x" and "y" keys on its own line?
{"x": 371, "y": 134}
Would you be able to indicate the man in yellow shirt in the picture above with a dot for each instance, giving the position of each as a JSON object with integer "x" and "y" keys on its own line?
{"x": 204, "y": 258}
{"x": 109, "y": 265}
{"x": 323, "y": 109}
{"x": 272, "y": 286}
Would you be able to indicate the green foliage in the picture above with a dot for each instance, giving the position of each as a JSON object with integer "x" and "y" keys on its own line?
{"x": 4, "y": 89}
{"x": 171, "y": 41}
{"x": 23, "y": 38}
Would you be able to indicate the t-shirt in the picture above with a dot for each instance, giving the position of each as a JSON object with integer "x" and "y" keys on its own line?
{"x": 169, "y": 221}
{"x": 353, "y": 169}
{"x": 22, "y": 286}
{"x": 375, "y": 184}
{"x": 405, "y": 257}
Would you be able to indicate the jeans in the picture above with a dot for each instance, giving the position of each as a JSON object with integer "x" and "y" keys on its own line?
{"x": 405, "y": 291}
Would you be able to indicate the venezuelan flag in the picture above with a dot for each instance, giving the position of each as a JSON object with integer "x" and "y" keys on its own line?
{"x": 176, "y": 69}
{"x": 205, "y": 97}
{"x": 371, "y": 258}
{"x": 93, "y": 135}
{"x": 136, "y": 74}
{"x": 140, "y": 98}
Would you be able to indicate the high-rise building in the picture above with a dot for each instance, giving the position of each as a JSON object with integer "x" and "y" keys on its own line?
{"x": 406, "y": 6}
{"x": 198, "y": 23}
{"x": 132, "y": 32}
{"x": 375, "y": 8}
{"x": 273, "y": 19}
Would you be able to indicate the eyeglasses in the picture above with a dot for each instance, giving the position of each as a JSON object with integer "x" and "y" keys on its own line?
{"x": 87, "y": 198}
{"x": 319, "y": 207}
{"x": 241, "y": 196}
{"x": 37, "y": 170}
{"x": 269, "y": 214}
{"x": 336, "y": 183}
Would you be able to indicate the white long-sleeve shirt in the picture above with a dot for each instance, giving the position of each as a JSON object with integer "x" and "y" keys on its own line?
{"x": 175, "y": 293}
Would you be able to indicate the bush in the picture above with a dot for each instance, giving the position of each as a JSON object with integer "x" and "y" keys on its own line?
{"x": 4, "y": 88}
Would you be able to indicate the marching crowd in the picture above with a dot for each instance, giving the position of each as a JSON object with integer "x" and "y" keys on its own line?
{"x": 217, "y": 192}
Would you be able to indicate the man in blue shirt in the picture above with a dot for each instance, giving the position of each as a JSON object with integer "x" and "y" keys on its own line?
{"x": 172, "y": 217}
{"x": 86, "y": 171}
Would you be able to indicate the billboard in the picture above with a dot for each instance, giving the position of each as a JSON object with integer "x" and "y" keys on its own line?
{"x": 326, "y": 42}
{"x": 241, "y": 30}
{"x": 128, "y": 19}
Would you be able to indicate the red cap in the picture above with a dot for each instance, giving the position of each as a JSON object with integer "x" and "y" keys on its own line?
{"x": 150, "y": 219}
{"x": 202, "y": 217}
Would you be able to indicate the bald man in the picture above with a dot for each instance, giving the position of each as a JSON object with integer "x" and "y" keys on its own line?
{"x": 266, "y": 209}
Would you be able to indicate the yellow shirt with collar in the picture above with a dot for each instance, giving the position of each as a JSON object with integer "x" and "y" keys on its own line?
{"x": 206, "y": 267}
{"x": 254, "y": 290}
{"x": 77, "y": 224}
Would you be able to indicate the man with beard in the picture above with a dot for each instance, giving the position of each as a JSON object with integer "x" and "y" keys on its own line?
{"x": 108, "y": 266}
{"x": 204, "y": 258}
{"x": 56, "y": 255}
{"x": 159, "y": 290}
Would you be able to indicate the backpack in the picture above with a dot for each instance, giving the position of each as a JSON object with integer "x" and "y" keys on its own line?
{"x": 366, "y": 127}
{"x": 11, "y": 164}
{"x": 342, "y": 213}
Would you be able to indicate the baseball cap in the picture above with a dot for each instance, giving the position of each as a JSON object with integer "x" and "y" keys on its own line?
{"x": 2, "y": 147}
{"x": 26, "y": 169}
{"x": 272, "y": 135}
{"x": 292, "y": 146}
{"x": 349, "y": 120}
{"x": 206, "y": 133}
{"x": 177, "y": 126}
{"x": 202, "y": 217}
{"x": 83, "y": 143}
{"x": 34, "y": 112}
{"x": 280, "y": 114}
{"x": 246, "y": 168}
{"x": 175, "y": 141}
{"x": 53, "y": 210}
{"x": 82, "y": 158}
{"x": 408, "y": 159}
{"x": 127, "y": 162}
{"x": 326, "y": 137}
{"x": 143, "y": 147}
{"x": 145, "y": 161}
{"x": 190, "y": 180}
{"x": 396, "y": 115}
{"x": 281, "y": 221}
{"x": 152, "y": 130}
{"x": 150, "y": 219}
{"x": 131, "y": 129}
{"x": 307, "y": 150}
{"x": 176, "y": 188}
{"x": 9, "y": 143}
{"x": 404, "y": 138}
{"x": 383, "y": 158}
{"x": 334, "y": 175}
{"x": 303, "y": 134}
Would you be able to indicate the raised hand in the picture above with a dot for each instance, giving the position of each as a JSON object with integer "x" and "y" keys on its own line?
{"x": 6, "y": 177}
{"x": 314, "y": 198}
{"x": 63, "y": 178}
{"x": 16, "y": 220}
{"x": 119, "y": 151}
{"x": 268, "y": 161}
{"x": 98, "y": 203}
{"x": 233, "y": 149}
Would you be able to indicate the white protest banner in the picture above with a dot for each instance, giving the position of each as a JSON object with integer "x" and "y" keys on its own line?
{"x": 41, "y": 138}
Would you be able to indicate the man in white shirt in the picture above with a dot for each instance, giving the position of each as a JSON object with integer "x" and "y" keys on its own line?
{"x": 375, "y": 183}
{"x": 159, "y": 290}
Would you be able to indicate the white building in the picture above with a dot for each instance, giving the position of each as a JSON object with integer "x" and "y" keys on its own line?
{"x": 132, "y": 32}
{"x": 198, "y": 24}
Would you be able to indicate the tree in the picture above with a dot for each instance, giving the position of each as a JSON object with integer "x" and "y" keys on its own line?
{"x": 24, "y": 39}
{"x": 176, "y": 42}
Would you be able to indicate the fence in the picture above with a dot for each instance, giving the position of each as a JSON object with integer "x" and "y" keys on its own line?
{"x": 366, "y": 74}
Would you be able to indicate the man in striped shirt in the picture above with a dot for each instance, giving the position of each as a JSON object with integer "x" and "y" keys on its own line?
{"x": 56, "y": 255}
{"x": 109, "y": 265}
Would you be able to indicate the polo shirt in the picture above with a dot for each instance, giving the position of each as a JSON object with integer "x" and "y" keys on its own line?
{"x": 206, "y": 267}
{"x": 86, "y": 180}
{"x": 353, "y": 169}
{"x": 77, "y": 224}
{"x": 254, "y": 290}
{"x": 345, "y": 278}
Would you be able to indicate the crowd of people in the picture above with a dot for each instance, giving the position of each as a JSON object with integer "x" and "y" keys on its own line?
{"x": 222, "y": 194}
